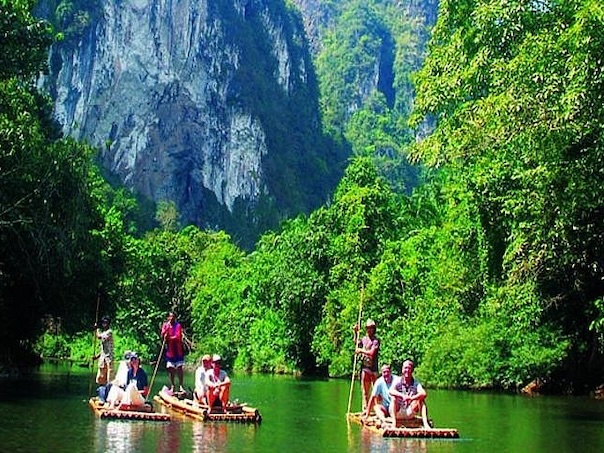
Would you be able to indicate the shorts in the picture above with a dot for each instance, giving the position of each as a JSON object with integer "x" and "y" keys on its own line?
{"x": 178, "y": 362}
{"x": 104, "y": 372}
{"x": 406, "y": 411}
{"x": 369, "y": 372}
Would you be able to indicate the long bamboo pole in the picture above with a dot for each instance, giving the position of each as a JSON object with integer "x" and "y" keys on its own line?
{"x": 161, "y": 351}
{"x": 356, "y": 341}
{"x": 96, "y": 322}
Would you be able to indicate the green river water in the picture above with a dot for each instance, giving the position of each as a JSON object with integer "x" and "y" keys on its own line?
{"x": 47, "y": 412}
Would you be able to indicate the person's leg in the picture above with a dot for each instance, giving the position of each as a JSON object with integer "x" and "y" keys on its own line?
{"x": 382, "y": 413}
{"x": 171, "y": 376}
{"x": 224, "y": 395}
{"x": 210, "y": 397}
{"x": 198, "y": 395}
{"x": 179, "y": 372}
{"x": 109, "y": 371}
{"x": 424, "y": 411}
{"x": 394, "y": 408}
{"x": 366, "y": 381}
{"x": 101, "y": 375}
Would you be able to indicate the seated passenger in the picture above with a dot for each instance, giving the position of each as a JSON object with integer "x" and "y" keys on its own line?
{"x": 114, "y": 390}
{"x": 218, "y": 386}
{"x": 409, "y": 397}
{"x": 380, "y": 395}
{"x": 200, "y": 379}
{"x": 138, "y": 387}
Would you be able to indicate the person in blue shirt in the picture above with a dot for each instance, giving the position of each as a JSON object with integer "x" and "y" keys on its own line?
{"x": 380, "y": 395}
{"x": 138, "y": 386}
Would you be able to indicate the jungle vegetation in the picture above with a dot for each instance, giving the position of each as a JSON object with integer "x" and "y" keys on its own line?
{"x": 489, "y": 273}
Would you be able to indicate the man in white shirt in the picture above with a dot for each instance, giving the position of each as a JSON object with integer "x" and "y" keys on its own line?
{"x": 218, "y": 386}
{"x": 408, "y": 396}
{"x": 200, "y": 378}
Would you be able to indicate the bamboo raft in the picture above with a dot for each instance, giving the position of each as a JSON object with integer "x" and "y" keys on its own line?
{"x": 145, "y": 414}
{"x": 237, "y": 413}
{"x": 412, "y": 428}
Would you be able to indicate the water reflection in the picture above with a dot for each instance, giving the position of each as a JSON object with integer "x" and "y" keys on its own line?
{"x": 209, "y": 437}
{"x": 366, "y": 441}
{"x": 118, "y": 436}
{"x": 372, "y": 443}
{"x": 49, "y": 412}
{"x": 170, "y": 437}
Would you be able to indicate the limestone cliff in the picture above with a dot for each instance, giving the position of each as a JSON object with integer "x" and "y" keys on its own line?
{"x": 211, "y": 104}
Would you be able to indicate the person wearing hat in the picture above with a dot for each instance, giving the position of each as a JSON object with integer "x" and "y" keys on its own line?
{"x": 105, "y": 336}
{"x": 200, "y": 378}
{"x": 138, "y": 386}
{"x": 113, "y": 392}
{"x": 408, "y": 396}
{"x": 368, "y": 348}
{"x": 380, "y": 395}
{"x": 218, "y": 386}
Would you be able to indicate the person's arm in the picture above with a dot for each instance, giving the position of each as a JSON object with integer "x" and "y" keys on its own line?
{"x": 370, "y": 405}
{"x": 222, "y": 382}
{"x": 177, "y": 333}
{"x": 209, "y": 382}
{"x": 360, "y": 349}
{"x": 143, "y": 382}
{"x": 372, "y": 351}
{"x": 165, "y": 327}
{"x": 394, "y": 392}
{"x": 421, "y": 394}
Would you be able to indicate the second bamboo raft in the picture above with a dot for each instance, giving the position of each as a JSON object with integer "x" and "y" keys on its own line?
{"x": 238, "y": 413}
{"x": 145, "y": 413}
{"x": 413, "y": 428}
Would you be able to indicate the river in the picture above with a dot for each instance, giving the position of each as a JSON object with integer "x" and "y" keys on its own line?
{"x": 47, "y": 412}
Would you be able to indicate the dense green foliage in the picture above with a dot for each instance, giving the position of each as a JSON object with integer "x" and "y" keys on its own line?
{"x": 45, "y": 203}
{"x": 367, "y": 54}
{"x": 489, "y": 274}
{"x": 516, "y": 88}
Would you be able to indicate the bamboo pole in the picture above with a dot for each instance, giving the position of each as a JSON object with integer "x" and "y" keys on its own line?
{"x": 96, "y": 321}
{"x": 161, "y": 351}
{"x": 356, "y": 340}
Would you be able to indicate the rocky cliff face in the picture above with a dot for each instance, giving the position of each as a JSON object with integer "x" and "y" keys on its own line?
{"x": 211, "y": 104}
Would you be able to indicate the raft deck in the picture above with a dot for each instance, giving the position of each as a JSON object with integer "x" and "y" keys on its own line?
{"x": 238, "y": 413}
{"x": 412, "y": 429}
{"x": 145, "y": 414}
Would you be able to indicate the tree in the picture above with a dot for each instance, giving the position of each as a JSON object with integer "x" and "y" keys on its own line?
{"x": 516, "y": 90}
{"x": 46, "y": 211}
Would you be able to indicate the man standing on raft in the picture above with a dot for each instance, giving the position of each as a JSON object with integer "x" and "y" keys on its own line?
{"x": 171, "y": 331}
{"x": 368, "y": 347}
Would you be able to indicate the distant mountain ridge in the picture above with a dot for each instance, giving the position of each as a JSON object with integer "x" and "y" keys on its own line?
{"x": 211, "y": 104}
